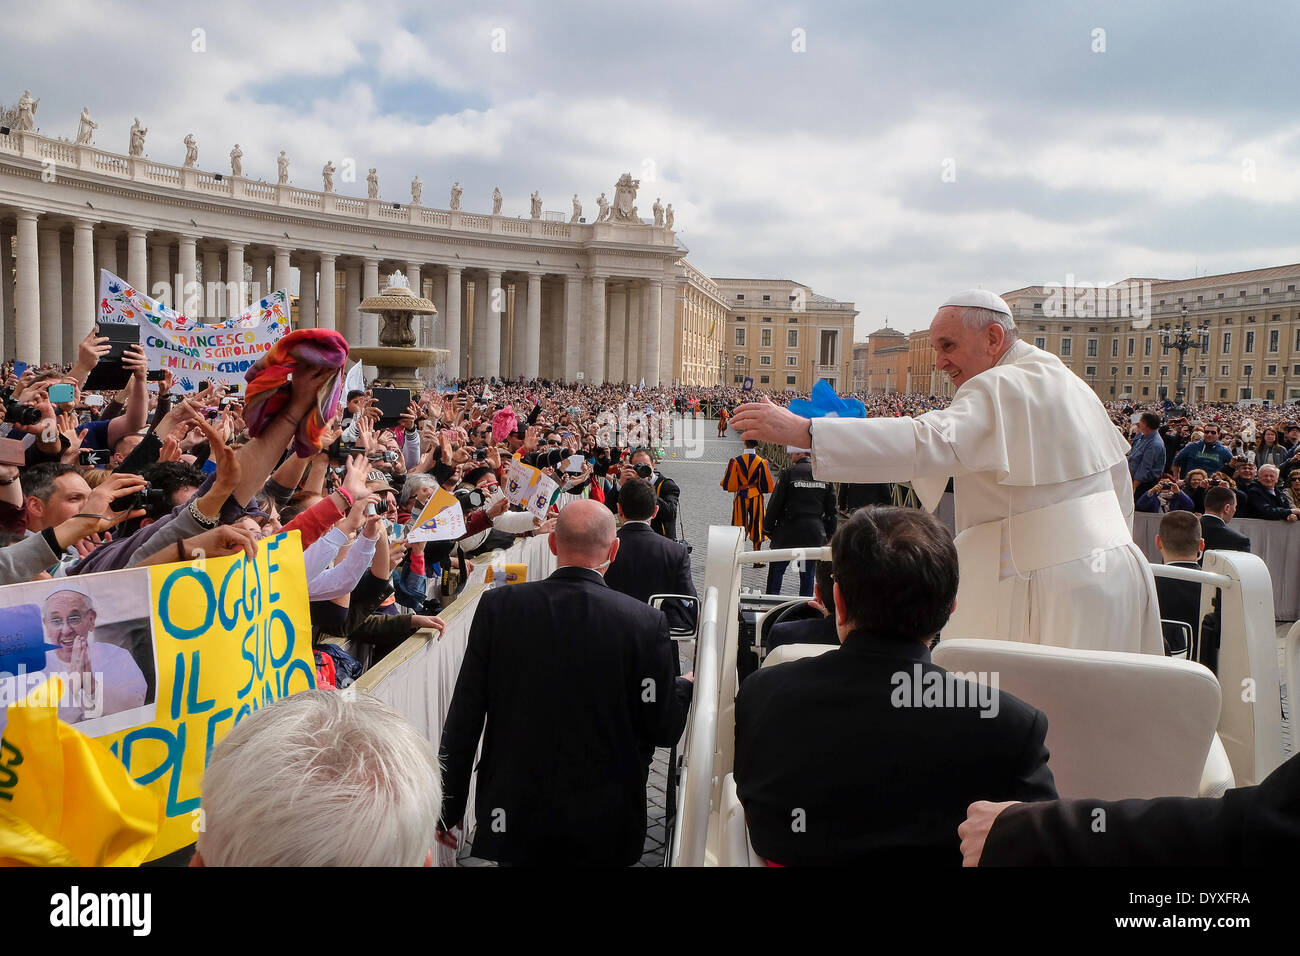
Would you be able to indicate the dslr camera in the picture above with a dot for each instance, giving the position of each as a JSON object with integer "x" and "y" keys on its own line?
{"x": 17, "y": 413}
{"x": 149, "y": 498}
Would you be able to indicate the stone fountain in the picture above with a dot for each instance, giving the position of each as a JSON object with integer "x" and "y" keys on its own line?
{"x": 396, "y": 356}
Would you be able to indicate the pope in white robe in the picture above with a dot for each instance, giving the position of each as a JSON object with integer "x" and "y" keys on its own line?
{"x": 1044, "y": 501}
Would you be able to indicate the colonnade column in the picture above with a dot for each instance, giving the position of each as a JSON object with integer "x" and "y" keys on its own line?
{"x": 617, "y": 365}
{"x": 187, "y": 266}
{"x": 651, "y": 310}
{"x": 451, "y": 323}
{"x": 438, "y": 294}
{"x": 51, "y": 279}
{"x": 107, "y": 256}
{"x": 27, "y": 292}
{"x": 531, "y": 367}
{"x": 668, "y": 332}
{"x": 83, "y": 282}
{"x": 235, "y": 300}
{"x": 352, "y": 303}
{"x": 595, "y": 325}
{"x": 328, "y": 283}
{"x": 519, "y": 333}
{"x": 211, "y": 296}
{"x": 281, "y": 275}
{"x": 137, "y": 262}
{"x": 572, "y": 328}
{"x": 369, "y": 322}
{"x": 160, "y": 268}
{"x": 306, "y": 294}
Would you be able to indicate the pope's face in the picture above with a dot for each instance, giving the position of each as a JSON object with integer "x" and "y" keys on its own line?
{"x": 960, "y": 352}
{"x": 66, "y": 619}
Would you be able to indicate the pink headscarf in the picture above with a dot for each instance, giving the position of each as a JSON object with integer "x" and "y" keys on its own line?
{"x": 503, "y": 423}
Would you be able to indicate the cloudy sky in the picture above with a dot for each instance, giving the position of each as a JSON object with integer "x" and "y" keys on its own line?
{"x": 885, "y": 153}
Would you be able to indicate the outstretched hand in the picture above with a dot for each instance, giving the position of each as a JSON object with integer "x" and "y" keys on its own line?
{"x": 765, "y": 421}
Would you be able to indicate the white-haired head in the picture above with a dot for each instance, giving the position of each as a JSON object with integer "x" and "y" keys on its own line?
{"x": 977, "y": 320}
{"x": 321, "y": 778}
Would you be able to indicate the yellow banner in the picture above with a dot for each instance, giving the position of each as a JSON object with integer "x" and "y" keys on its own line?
{"x": 160, "y": 663}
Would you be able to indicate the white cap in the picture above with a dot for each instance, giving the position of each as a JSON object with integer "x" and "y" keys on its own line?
{"x": 980, "y": 299}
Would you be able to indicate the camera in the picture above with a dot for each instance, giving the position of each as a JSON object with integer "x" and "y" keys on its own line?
{"x": 149, "y": 498}
{"x": 390, "y": 456}
{"x": 471, "y": 500}
{"x": 643, "y": 471}
{"x": 19, "y": 414}
{"x": 480, "y": 454}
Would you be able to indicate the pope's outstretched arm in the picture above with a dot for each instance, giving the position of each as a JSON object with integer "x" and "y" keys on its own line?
{"x": 939, "y": 444}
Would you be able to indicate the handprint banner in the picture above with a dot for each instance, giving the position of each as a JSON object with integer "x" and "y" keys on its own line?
{"x": 195, "y": 351}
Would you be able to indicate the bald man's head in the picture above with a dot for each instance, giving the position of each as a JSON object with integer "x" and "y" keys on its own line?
{"x": 585, "y": 535}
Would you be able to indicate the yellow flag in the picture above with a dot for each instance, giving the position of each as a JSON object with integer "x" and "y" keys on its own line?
{"x": 65, "y": 800}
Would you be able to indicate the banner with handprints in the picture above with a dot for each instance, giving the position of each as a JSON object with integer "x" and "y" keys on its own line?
{"x": 195, "y": 351}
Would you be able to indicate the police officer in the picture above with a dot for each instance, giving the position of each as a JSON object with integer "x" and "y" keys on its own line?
{"x": 800, "y": 514}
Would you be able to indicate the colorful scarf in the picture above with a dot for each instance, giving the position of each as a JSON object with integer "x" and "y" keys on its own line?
{"x": 268, "y": 388}
{"x": 503, "y": 423}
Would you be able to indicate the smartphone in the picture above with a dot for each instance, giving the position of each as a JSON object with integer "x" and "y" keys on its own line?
{"x": 155, "y": 375}
{"x": 93, "y": 401}
{"x": 94, "y": 457}
{"x": 61, "y": 394}
{"x": 573, "y": 464}
{"x": 12, "y": 452}
{"x": 19, "y": 368}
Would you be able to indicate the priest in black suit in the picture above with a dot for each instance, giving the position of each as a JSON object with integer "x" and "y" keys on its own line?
{"x": 1220, "y": 508}
{"x": 649, "y": 563}
{"x": 571, "y": 686}
{"x": 1247, "y": 826}
{"x": 1180, "y": 543}
{"x": 870, "y": 753}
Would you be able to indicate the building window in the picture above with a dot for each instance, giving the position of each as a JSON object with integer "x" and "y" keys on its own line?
{"x": 1248, "y": 370}
{"x": 829, "y": 347}
{"x": 1250, "y": 341}
{"x": 1223, "y": 393}
{"x": 1272, "y": 371}
{"x": 1132, "y": 343}
{"x": 1227, "y": 342}
{"x": 1114, "y": 348}
{"x": 789, "y": 380}
{"x": 1146, "y": 346}
{"x": 767, "y": 298}
{"x": 1223, "y": 371}
{"x": 740, "y": 337}
{"x": 792, "y": 338}
{"x": 1041, "y": 343}
{"x": 767, "y": 318}
{"x": 1146, "y": 390}
{"x": 1274, "y": 339}
{"x": 1220, "y": 295}
{"x": 740, "y": 360}
{"x": 741, "y": 296}
{"x": 793, "y": 319}
{"x": 1128, "y": 371}
{"x": 765, "y": 360}
{"x": 765, "y": 338}
{"x": 1067, "y": 348}
{"x": 1164, "y": 370}
{"x": 1091, "y": 371}
{"x": 1038, "y": 307}
{"x": 1266, "y": 290}
{"x": 1092, "y": 348}
{"x": 1146, "y": 371}
{"x": 740, "y": 318}
{"x": 792, "y": 360}
{"x": 763, "y": 380}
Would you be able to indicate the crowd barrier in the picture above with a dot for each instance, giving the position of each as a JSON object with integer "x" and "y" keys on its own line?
{"x": 418, "y": 677}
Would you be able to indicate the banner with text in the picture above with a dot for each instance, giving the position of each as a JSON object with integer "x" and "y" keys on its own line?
{"x": 193, "y": 351}
{"x": 160, "y": 663}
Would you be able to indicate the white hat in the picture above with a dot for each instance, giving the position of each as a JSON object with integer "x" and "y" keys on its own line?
{"x": 980, "y": 299}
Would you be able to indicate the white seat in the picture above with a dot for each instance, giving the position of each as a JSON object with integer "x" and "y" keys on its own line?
{"x": 735, "y": 848}
{"x": 792, "y": 652}
{"x": 1118, "y": 725}
{"x": 1217, "y": 778}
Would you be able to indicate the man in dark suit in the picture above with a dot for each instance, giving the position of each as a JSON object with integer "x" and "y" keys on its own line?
{"x": 1247, "y": 826}
{"x": 1220, "y": 507}
{"x": 870, "y": 753}
{"x": 641, "y": 464}
{"x": 648, "y": 563}
{"x": 1180, "y": 544}
{"x": 817, "y": 627}
{"x": 573, "y": 708}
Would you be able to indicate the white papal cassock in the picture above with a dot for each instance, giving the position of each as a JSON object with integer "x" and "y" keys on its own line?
{"x": 1043, "y": 497}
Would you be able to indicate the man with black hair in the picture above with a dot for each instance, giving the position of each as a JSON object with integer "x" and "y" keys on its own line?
{"x": 870, "y": 753}
{"x": 641, "y": 464}
{"x": 1220, "y": 508}
{"x": 819, "y": 626}
{"x": 648, "y": 563}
